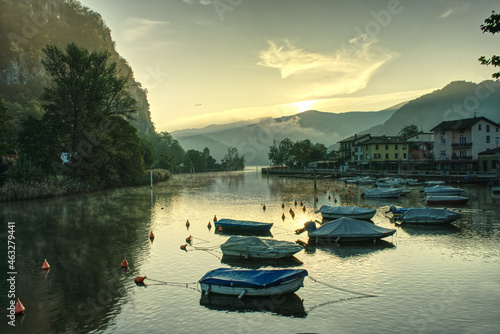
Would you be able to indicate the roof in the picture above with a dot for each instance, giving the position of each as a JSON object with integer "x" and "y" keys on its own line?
{"x": 353, "y": 138}
{"x": 384, "y": 140}
{"x": 457, "y": 124}
{"x": 490, "y": 152}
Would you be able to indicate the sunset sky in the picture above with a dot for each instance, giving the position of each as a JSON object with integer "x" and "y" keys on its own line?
{"x": 217, "y": 61}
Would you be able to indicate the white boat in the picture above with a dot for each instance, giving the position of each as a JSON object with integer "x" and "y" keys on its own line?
{"x": 356, "y": 212}
{"x": 348, "y": 229}
{"x": 383, "y": 192}
{"x": 443, "y": 191}
{"x": 435, "y": 200}
{"x": 434, "y": 183}
{"x": 496, "y": 190}
{"x": 252, "y": 282}
{"x": 366, "y": 180}
{"x": 252, "y": 247}
{"x": 388, "y": 183}
{"x": 413, "y": 183}
{"x": 429, "y": 216}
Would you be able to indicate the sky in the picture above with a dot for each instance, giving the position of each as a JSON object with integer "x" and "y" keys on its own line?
{"x": 217, "y": 61}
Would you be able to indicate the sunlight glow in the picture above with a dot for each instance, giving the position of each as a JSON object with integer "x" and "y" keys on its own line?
{"x": 303, "y": 105}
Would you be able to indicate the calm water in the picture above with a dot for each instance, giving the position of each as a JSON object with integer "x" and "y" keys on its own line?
{"x": 429, "y": 280}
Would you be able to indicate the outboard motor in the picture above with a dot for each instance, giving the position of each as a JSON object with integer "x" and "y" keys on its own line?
{"x": 310, "y": 226}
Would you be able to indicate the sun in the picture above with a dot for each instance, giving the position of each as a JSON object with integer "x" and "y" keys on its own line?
{"x": 303, "y": 105}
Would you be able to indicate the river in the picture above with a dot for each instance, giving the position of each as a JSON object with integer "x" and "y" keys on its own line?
{"x": 421, "y": 280}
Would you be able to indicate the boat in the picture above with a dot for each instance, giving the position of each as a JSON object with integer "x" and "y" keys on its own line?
{"x": 252, "y": 282}
{"x": 253, "y": 247}
{"x": 413, "y": 183}
{"x": 443, "y": 191}
{"x": 242, "y": 225}
{"x": 388, "y": 183}
{"x": 433, "y": 200}
{"x": 383, "y": 192}
{"x": 398, "y": 212}
{"x": 496, "y": 190}
{"x": 347, "y": 229}
{"x": 434, "y": 183}
{"x": 429, "y": 216}
{"x": 356, "y": 212}
{"x": 366, "y": 180}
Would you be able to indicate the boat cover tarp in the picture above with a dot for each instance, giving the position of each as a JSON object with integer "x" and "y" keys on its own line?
{"x": 400, "y": 211}
{"x": 345, "y": 210}
{"x": 442, "y": 189}
{"x": 376, "y": 192}
{"x": 443, "y": 199}
{"x": 251, "y": 278}
{"x": 430, "y": 214}
{"x": 254, "y": 245}
{"x": 351, "y": 228}
{"x": 243, "y": 224}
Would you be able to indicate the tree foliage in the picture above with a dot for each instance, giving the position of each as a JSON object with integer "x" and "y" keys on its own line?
{"x": 408, "y": 130}
{"x": 232, "y": 160}
{"x": 491, "y": 25}
{"x": 287, "y": 152}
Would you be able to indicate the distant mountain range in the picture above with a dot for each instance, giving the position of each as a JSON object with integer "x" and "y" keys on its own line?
{"x": 457, "y": 100}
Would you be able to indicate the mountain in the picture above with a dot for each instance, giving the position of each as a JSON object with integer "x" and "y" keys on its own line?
{"x": 28, "y": 26}
{"x": 254, "y": 140}
{"x": 458, "y": 99}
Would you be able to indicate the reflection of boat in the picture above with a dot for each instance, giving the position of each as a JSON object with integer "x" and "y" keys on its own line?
{"x": 287, "y": 262}
{"x": 383, "y": 192}
{"x": 348, "y": 229}
{"x": 253, "y": 247}
{"x": 289, "y": 305}
{"x": 356, "y": 212}
{"x": 242, "y": 225}
{"x": 442, "y": 191}
{"x": 433, "y": 200}
{"x": 429, "y": 216}
{"x": 345, "y": 250}
{"x": 252, "y": 282}
{"x": 430, "y": 229}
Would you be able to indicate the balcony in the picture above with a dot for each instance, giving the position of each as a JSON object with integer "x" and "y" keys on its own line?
{"x": 461, "y": 145}
{"x": 467, "y": 157}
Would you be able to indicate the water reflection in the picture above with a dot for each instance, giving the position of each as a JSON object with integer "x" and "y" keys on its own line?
{"x": 235, "y": 261}
{"x": 351, "y": 249}
{"x": 429, "y": 229}
{"x": 289, "y": 305}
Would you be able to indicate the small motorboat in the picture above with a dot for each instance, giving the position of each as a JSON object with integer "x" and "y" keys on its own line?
{"x": 252, "y": 282}
{"x": 398, "y": 212}
{"x": 242, "y": 225}
{"x": 429, "y": 216}
{"x": 383, "y": 192}
{"x": 253, "y": 247}
{"x": 356, "y": 212}
{"x": 438, "y": 200}
{"x": 348, "y": 229}
{"x": 434, "y": 183}
{"x": 443, "y": 191}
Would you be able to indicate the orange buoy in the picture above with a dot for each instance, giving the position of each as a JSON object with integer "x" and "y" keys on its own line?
{"x": 295, "y": 203}
{"x": 304, "y": 208}
{"x": 329, "y": 197}
{"x": 187, "y": 223}
{"x": 264, "y": 207}
{"x": 45, "y": 265}
{"x": 151, "y": 235}
{"x": 335, "y": 200}
{"x": 282, "y": 205}
{"x": 219, "y": 229}
{"x": 188, "y": 240}
{"x": 140, "y": 279}
{"x": 209, "y": 225}
{"x": 124, "y": 263}
{"x": 19, "y": 308}
{"x": 183, "y": 247}
{"x": 316, "y": 199}
{"x": 301, "y": 204}
{"x": 283, "y": 216}
{"x": 215, "y": 218}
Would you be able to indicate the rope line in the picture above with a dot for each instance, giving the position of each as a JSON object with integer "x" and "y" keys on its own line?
{"x": 341, "y": 289}
{"x": 178, "y": 284}
{"x": 336, "y": 301}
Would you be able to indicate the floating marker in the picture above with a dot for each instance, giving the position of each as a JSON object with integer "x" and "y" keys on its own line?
{"x": 283, "y": 216}
{"x": 188, "y": 240}
{"x": 316, "y": 199}
{"x": 209, "y": 225}
{"x": 215, "y": 218}
{"x": 140, "y": 279}
{"x": 187, "y": 223}
{"x": 19, "y": 308}
{"x": 183, "y": 247}
{"x": 151, "y": 235}
{"x": 329, "y": 197}
{"x": 264, "y": 207}
{"x": 304, "y": 208}
{"x": 219, "y": 229}
{"x": 45, "y": 265}
{"x": 301, "y": 204}
{"x": 124, "y": 263}
{"x": 295, "y": 203}
{"x": 282, "y": 205}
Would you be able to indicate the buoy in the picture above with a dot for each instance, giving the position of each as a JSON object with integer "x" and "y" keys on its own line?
{"x": 183, "y": 247}
{"x": 316, "y": 199}
{"x": 151, "y": 235}
{"x": 45, "y": 265}
{"x": 283, "y": 216}
{"x": 264, "y": 207}
{"x": 335, "y": 200}
{"x": 19, "y": 308}
{"x": 188, "y": 240}
{"x": 140, "y": 279}
{"x": 219, "y": 229}
{"x": 215, "y": 218}
{"x": 209, "y": 225}
{"x": 124, "y": 263}
{"x": 282, "y": 205}
{"x": 187, "y": 223}
{"x": 329, "y": 197}
{"x": 304, "y": 208}
{"x": 295, "y": 203}
{"x": 301, "y": 204}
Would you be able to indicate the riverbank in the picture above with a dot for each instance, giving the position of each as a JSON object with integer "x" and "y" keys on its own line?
{"x": 13, "y": 190}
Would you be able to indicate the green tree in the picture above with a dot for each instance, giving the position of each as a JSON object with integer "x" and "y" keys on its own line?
{"x": 232, "y": 160}
{"x": 491, "y": 25}
{"x": 301, "y": 151}
{"x": 148, "y": 153}
{"x": 408, "y": 130}
{"x": 318, "y": 152}
{"x": 5, "y": 129}
{"x": 198, "y": 160}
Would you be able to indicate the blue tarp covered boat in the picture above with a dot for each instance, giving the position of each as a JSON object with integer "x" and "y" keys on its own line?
{"x": 347, "y": 230}
{"x": 252, "y": 282}
{"x": 242, "y": 225}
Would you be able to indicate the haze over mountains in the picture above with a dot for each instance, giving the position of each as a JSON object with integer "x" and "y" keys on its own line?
{"x": 457, "y": 100}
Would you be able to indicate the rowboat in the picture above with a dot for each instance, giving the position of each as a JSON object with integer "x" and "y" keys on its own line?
{"x": 348, "y": 229}
{"x": 429, "y": 216}
{"x": 253, "y": 247}
{"x": 356, "y": 212}
{"x": 252, "y": 282}
{"x": 242, "y": 225}
{"x": 442, "y": 191}
{"x": 435, "y": 200}
{"x": 383, "y": 192}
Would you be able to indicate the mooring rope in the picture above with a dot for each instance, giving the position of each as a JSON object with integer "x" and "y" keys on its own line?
{"x": 178, "y": 284}
{"x": 336, "y": 301}
{"x": 342, "y": 289}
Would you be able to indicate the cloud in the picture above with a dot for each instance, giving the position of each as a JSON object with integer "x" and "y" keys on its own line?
{"x": 447, "y": 13}
{"x": 321, "y": 75}
{"x": 141, "y": 28}
{"x": 203, "y": 2}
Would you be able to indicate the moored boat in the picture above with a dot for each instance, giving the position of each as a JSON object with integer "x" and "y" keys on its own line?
{"x": 348, "y": 229}
{"x": 435, "y": 200}
{"x": 429, "y": 216}
{"x": 496, "y": 190}
{"x": 383, "y": 192}
{"x": 398, "y": 212}
{"x": 443, "y": 191}
{"x": 253, "y": 247}
{"x": 252, "y": 282}
{"x": 434, "y": 183}
{"x": 356, "y": 212}
{"x": 242, "y": 225}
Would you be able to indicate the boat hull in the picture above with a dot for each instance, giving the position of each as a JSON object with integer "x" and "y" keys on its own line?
{"x": 243, "y": 226}
{"x": 283, "y": 288}
{"x": 440, "y": 200}
{"x": 269, "y": 255}
{"x": 363, "y": 216}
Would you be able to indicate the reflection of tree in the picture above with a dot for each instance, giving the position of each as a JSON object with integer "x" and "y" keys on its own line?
{"x": 84, "y": 239}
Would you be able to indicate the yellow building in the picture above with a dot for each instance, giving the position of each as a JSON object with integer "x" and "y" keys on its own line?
{"x": 383, "y": 149}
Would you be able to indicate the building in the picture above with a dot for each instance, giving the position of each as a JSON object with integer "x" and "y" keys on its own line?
{"x": 347, "y": 151}
{"x": 382, "y": 149}
{"x": 489, "y": 161}
{"x": 460, "y": 141}
{"x": 421, "y": 147}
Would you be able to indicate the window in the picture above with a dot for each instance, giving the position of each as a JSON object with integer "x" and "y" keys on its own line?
{"x": 376, "y": 156}
{"x": 396, "y": 146}
{"x": 404, "y": 147}
{"x": 355, "y": 149}
{"x": 462, "y": 140}
{"x": 387, "y": 156}
{"x": 488, "y": 139}
{"x": 386, "y": 147}
{"x": 493, "y": 164}
{"x": 376, "y": 147}
{"x": 487, "y": 128}
{"x": 396, "y": 156}
{"x": 443, "y": 154}
{"x": 404, "y": 155}
{"x": 366, "y": 147}
{"x": 442, "y": 133}
{"x": 463, "y": 154}
{"x": 479, "y": 127}
{"x": 443, "y": 141}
